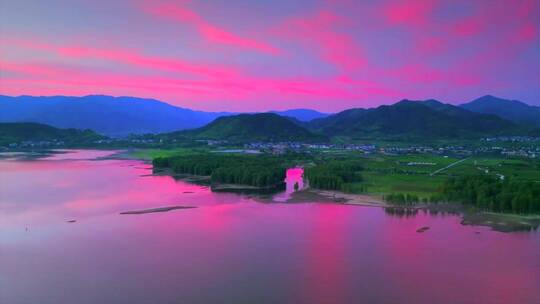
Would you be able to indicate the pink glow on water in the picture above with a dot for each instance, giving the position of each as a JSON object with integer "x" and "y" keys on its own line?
{"x": 233, "y": 247}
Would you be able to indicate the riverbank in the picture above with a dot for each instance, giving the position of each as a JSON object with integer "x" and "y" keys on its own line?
{"x": 502, "y": 222}
{"x": 327, "y": 196}
{"x": 496, "y": 221}
{"x": 218, "y": 187}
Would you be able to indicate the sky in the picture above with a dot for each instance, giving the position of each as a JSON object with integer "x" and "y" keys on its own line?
{"x": 258, "y": 55}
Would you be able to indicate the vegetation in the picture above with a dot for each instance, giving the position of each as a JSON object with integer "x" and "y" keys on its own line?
{"x": 334, "y": 175}
{"x": 491, "y": 194}
{"x": 267, "y": 127}
{"x": 150, "y": 154}
{"x": 406, "y": 119}
{"x": 258, "y": 171}
{"x": 402, "y": 199}
{"x": 24, "y": 132}
{"x": 488, "y": 183}
{"x": 407, "y": 180}
{"x": 403, "y": 174}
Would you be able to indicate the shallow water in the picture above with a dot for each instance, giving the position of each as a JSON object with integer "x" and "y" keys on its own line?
{"x": 232, "y": 249}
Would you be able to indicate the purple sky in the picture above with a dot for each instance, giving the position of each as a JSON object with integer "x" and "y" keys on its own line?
{"x": 261, "y": 55}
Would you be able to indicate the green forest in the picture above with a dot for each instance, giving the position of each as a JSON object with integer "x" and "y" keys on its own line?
{"x": 253, "y": 170}
{"x": 334, "y": 174}
{"x": 402, "y": 199}
{"x": 493, "y": 194}
{"x": 20, "y": 132}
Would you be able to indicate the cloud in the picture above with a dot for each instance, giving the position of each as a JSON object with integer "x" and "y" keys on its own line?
{"x": 409, "y": 13}
{"x": 32, "y": 78}
{"x": 331, "y": 55}
{"x": 211, "y": 32}
{"x": 123, "y": 56}
{"x": 326, "y": 32}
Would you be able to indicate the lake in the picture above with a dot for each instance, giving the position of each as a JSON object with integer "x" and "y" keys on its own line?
{"x": 232, "y": 248}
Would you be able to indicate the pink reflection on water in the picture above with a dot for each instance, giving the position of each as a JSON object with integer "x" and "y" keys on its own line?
{"x": 233, "y": 249}
{"x": 325, "y": 269}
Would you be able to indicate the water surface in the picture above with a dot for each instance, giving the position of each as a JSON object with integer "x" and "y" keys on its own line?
{"x": 231, "y": 248}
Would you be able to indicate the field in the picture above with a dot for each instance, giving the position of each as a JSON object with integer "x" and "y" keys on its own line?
{"x": 521, "y": 169}
{"x": 149, "y": 154}
{"x": 421, "y": 175}
{"x": 416, "y": 174}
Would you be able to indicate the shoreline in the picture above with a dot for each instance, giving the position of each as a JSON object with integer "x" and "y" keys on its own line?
{"x": 329, "y": 196}
{"x": 501, "y": 222}
{"x": 155, "y": 210}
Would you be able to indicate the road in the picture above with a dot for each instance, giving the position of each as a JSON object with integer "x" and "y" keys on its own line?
{"x": 449, "y": 166}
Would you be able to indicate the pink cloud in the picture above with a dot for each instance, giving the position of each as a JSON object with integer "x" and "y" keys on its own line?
{"x": 410, "y": 13}
{"x": 211, "y": 32}
{"x": 415, "y": 48}
{"x": 136, "y": 59}
{"x": 124, "y": 56}
{"x": 418, "y": 73}
{"x": 54, "y": 79}
{"x": 470, "y": 26}
{"x": 526, "y": 33}
{"x": 320, "y": 30}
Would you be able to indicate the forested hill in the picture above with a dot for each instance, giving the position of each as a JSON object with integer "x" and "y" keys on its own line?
{"x": 113, "y": 116}
{"x": 266, "y": 127}
{"x": 513, "y": 110}
{"x": 21, "y": 132}
{"x": 413, "y": 119}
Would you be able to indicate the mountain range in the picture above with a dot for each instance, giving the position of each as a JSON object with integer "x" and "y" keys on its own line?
{"x": 413, "y": 119}
{"x": 406, "y": 119}
{"x": 17, "y": 132}
{"x": 513, "y": 110}
{"x": 115, "y": 116}
{"x": 267, "y": 127}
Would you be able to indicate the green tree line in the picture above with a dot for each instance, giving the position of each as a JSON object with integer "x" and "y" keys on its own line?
{"x": 334, "y": 174}
{"x": 492, "y": 194}
{"x": 402, "y": 199}
{"x": 259, "y": 171}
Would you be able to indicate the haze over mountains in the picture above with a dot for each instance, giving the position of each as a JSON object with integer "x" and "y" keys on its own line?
{"x": 412, "y": 119}
{"x": 17, "y": 132}
{"x": 513, "y": 110}
{"x": 119, "y": 116}
{"x": 115, "y": 116}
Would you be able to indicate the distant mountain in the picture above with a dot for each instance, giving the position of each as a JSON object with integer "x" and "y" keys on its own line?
{"x": 267, "y": 127}
{"x": 412, "y": 119}
{"x": 337, "y": 124}
{"x": 114, "y": 116}
{"x": 303, "y": 115}
{"x": 513, "y": 110}
{"x": 19, "y": 132}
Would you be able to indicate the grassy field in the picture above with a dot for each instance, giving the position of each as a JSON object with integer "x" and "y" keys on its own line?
{"x": 407, "y": 174}
{"x": 149, "y": 154}
{"x": 384, "y": 174}
{"x": 413, "y": 174}
{"x": 521, "y": 169}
